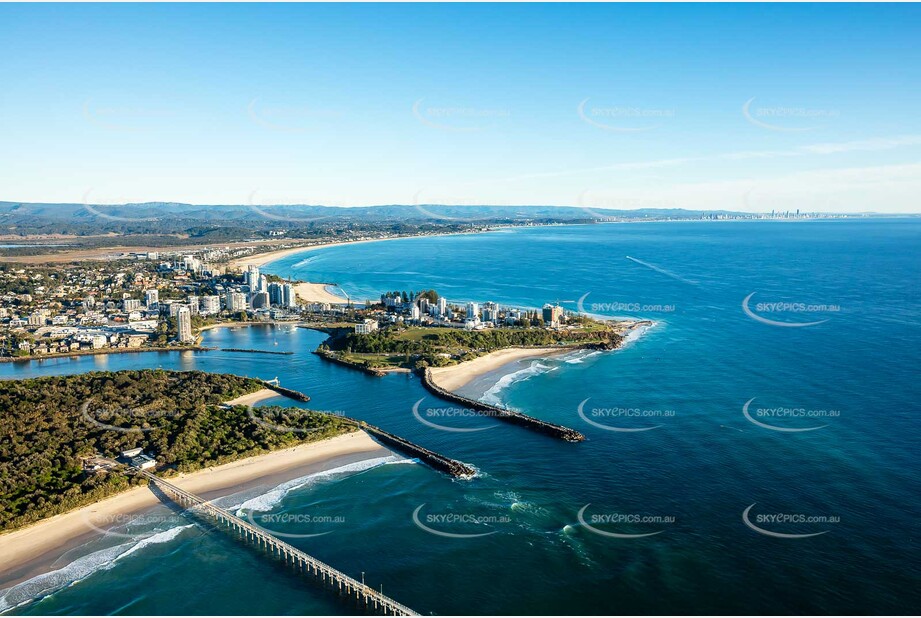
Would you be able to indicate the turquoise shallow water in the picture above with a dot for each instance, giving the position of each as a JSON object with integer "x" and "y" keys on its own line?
{"x": 694, "y": 474}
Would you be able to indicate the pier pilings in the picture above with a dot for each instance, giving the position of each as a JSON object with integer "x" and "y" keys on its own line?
{"x": 369, "y": 600}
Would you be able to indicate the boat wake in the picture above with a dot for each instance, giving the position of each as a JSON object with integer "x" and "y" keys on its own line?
{"x": 304, "y": 262}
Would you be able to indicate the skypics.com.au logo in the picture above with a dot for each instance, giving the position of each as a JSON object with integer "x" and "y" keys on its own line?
{"x": 457, "y": 118}
{"x": 132, "y": 525}
{"x": 778, "y": 418}
{"x": 787, "y": 119}
{"x": 623, "y": 118}
{"x": 430, "y": 417}
{"x": 285, "y": 424}
{"x": 785, "y": 308}
{"x": 123, "y": 420}
{"x": 276, "y": 523}
{"x": 622, "y": 419}
{"x": 787, "y": 525}
{"x": 458, "y": 524}
{"x": 614, "y": 306}
{"x": 619, "y": 525}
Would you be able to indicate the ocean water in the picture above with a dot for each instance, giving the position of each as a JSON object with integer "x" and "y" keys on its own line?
{"x": 683, "y": 499}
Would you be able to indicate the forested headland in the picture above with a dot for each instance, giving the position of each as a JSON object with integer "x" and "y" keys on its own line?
{"x": 48, "y": 426}
{"x": 419, "y": 347}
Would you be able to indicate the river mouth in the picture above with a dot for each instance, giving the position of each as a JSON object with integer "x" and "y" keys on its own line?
{"x": 703, "y": 466}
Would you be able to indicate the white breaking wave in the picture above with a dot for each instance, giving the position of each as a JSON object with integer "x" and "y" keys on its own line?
{"x": 477, "y": 473}
{"x": 535, "y": 368}
{"x": 580, "y": 357}
{"x": 634, "y": 335}
{"x": 402, "y": 461}
{"x": 161, "y": 537}
{"x": 266, "y": 501}
{"x": 46, "y": 584}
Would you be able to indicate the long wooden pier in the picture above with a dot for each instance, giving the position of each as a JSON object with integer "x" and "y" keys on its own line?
{"x": 369, "y": 599}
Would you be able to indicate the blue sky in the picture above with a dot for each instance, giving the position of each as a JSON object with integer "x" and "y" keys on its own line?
{"x": 742, "y": 107}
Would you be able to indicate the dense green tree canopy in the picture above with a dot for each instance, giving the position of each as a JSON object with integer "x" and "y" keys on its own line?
{"x": 47, "y": 425}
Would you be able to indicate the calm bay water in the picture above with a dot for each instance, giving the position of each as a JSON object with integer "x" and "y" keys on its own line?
{"x": 854, "y": 478}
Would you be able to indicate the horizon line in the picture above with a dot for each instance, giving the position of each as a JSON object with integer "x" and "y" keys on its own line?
{"x": 485, "y": 205}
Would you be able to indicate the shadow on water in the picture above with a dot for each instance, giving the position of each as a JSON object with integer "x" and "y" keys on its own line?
{"x": 273, "y": 563}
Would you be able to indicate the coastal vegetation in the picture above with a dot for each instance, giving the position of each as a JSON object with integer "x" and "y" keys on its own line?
{"x": 50, "y": 426}
{"x": 43, "y": 229}
{"x": 418, "y": 347}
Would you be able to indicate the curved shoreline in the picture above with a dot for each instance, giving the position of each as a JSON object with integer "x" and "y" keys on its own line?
{"x": 265, "y": 259}
{"x": 28, "y": 552}
{"x": 306, "y": 291}
{"x": 453, "y": 377}
{"x": 317, "y": 292}
{"x": 253, "y": 398}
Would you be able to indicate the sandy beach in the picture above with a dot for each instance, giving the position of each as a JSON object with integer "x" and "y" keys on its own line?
{"x": 253, "y": 398}
{"x": 317, "y": 293}
{"x": 39, "y": 548}
{"x": 262, "y": 259}
{"x": 454, "y": 377}
{"x": 308, "y": 292}
{"x": 118, "y": 252}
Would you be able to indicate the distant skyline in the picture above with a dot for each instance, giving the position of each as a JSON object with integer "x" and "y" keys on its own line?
{"x": 747, "y": 108}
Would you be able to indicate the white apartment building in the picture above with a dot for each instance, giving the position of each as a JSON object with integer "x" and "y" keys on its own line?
{"x": 210, "y": 305}
{"x": 366, "y": 328}
{"x": 236, "y": 301}
{"x": 185, "y": 325}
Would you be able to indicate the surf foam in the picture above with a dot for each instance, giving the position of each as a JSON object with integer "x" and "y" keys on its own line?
{"x": 536, "y": 367}
{"x": 46, "y": 584}
{"x": 268, "y": 500}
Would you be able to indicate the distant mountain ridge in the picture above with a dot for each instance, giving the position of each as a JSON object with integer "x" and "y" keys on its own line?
{"x": 296, "y": 213}
{"x": 169, "y": 222}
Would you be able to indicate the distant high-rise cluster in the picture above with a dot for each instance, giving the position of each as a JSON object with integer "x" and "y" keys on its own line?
{"x": 421, "y": 309}
{"x": 282, "y": 295}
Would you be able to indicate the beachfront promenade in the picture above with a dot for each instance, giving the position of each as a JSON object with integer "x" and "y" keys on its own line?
{"x": 367, "y": 598}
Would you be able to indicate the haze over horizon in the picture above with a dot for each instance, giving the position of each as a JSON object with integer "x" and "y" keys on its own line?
{"x": 420, "y": 207}
{"x": 744, "y": 108}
